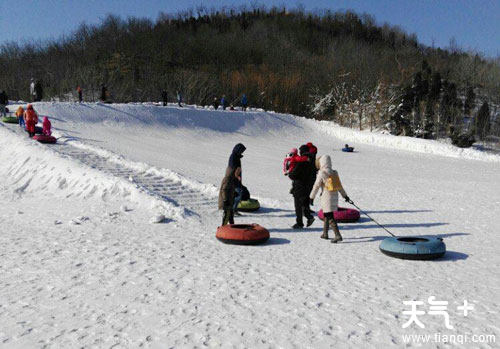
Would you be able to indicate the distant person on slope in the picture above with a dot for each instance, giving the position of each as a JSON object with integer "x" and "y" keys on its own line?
{"x": 4, "y": 100}
{"x": 32, "y": 90}
{"x": 223, "y": 102}
{"x": 80, "y": 94}
{"x": 38, "y": 91}
{"x": 164, "y": 97}
{"x": 244, "y": 102}
{"x": 20, "y": 117}
{"x": 31, "y": 119}
{"x": 301, "y": 177}
{"x": 179, "y": 98}
{"x": 46, "y": 126}
{"x": 231, "y": 180}
{"x": 104, "y": 93}
{"x": 329, "y": 182}
{"x": 215, "y": 103}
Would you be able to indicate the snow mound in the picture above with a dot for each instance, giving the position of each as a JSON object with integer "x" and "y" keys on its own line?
{"x": 31, "y": 168}
{"x": 418, "y": 145}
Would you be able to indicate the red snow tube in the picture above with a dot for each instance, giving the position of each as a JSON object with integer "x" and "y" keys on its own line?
{"x": 45, "y": 139}
{"x": 242, "y": 234}
{"x": 343, "y": 215}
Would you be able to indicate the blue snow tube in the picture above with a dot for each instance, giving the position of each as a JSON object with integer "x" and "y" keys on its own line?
{"x": 348, "y": 149}
{"x": 416, "y": 248}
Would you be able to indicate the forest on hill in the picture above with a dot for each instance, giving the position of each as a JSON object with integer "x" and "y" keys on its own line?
{"x": 340, "y": 66}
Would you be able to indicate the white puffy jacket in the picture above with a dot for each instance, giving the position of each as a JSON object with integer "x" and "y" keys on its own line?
{"x": 329, "y": 199}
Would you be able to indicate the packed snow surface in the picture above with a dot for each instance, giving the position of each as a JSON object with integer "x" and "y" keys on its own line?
{"x": 108, "y": 237}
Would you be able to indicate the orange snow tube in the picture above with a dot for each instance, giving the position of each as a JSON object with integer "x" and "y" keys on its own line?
{"x": 242, "y": 234}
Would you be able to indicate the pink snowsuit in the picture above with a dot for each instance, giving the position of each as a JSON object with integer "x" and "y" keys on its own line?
{"x": 291, "y": 160}
{"x": 46, "y": 126}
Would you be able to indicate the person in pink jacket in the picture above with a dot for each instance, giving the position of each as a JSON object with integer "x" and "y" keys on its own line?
{"x": 46, "y": 126}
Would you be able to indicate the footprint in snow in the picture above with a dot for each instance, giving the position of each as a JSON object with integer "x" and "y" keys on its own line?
{"x": 79, "y": 220}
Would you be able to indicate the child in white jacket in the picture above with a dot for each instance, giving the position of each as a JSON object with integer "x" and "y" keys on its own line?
{"x": 329, "y": 183}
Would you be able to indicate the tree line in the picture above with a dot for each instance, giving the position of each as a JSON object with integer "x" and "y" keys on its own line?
{"x": 341, "y": 66}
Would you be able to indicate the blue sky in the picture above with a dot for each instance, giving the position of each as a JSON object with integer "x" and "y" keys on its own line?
{"x": 475, "y": 24}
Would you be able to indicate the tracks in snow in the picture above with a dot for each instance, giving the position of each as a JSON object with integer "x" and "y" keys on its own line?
{"x": 194, "y": 201}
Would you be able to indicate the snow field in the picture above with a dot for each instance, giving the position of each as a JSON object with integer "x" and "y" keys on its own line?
{"x": 110, "y": 278}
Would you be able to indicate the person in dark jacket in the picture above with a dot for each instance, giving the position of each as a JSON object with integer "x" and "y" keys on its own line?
{"x": 231, "y": 180}
{"x": 164, "y": 97}
{"x": 223, "y": 102}
{"x": 244, "y": 102}
{"x": 38, "y": 91}
{"x": 80, "y": 94}
{"x": 104, "y": 93}
{"x": 215, "y": 103}
{"x": 179, "y": 98}
{"x": 301, "y": 177}
{"x": 4, "y": 100}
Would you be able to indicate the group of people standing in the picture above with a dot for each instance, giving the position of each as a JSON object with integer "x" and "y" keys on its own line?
{"x": 309, "y": 174}
{"x": 29, "y": 118}
{"x": 223, "y": 103}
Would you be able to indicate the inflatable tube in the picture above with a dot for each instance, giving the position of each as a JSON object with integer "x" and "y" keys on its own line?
{"x": 342, "y": 215}
{"x": 348, "y": 149}
{"x": 242, "y": 234}
{"x": 45, "y": 139}
{"x": 415, "y": 248}
{"x": 10, "y": 120}
{"x": 249, "y": 205}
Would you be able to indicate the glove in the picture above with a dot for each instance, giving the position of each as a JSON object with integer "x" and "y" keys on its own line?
{"x": 226, "y": 203}
{"x": 347, "y": 199}
{"x": 311, "y": 202}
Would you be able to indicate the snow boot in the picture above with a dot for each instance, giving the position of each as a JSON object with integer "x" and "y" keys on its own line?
{"x": 297, "y": 226}
{"x": 310, "y": 221}
{"x": 335, "y": 228}
{"x": 325, "y": 230}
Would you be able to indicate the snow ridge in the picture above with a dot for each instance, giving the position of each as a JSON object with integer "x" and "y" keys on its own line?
{"x": 30, "y": 168}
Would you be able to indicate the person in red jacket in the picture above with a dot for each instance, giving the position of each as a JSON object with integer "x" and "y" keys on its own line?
{"x": 291, "y": 160}
{"x": 46, "y": 126}
{"x": 31, "y": 119}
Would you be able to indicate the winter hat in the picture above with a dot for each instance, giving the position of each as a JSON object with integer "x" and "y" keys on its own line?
{"x": 303, "y": 149}
{"x": 312, "y": 148}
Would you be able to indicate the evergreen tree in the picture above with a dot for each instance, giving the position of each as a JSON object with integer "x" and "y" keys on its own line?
{"x": 435, "y": 88}
{"x": 429, "y": 120}
{"x": 400, "y": 122}
{"x": 470, "y": 102}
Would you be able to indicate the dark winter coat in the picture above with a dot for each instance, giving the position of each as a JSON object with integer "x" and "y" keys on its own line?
{"x": 303, "y": 177}
{"x": 38, "y": 91}
{"x": 231, "y": 178}
{"x": 104, "y": 92}
{"x": 4, "y": 100}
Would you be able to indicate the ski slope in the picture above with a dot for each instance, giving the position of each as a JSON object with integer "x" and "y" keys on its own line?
{"x": 82, "y": 265}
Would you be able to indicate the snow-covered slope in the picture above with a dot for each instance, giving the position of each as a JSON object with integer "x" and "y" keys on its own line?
{"x": 107, "y": 276}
